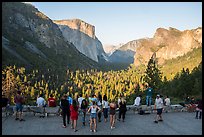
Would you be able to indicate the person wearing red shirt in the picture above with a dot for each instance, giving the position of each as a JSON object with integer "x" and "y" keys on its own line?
{"x": 51, "y": 101}
{"x": 74, "y": 114}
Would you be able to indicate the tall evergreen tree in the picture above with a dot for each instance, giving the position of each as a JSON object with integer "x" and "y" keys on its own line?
{"x": 153, "y": 75}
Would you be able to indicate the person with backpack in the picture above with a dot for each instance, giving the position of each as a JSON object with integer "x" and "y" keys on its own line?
{"x": 93, "y": 115}
{"x": 84, "y": 106}
{"x": 19, "y": 100}
{"x": 64, "y": 104}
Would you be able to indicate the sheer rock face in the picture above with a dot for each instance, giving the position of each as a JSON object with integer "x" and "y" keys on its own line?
{"x": 77, "y": 24}
{"x": 82, "y": 35}
{"x": 168, "y": 44}
{"x": 29, "y": 29}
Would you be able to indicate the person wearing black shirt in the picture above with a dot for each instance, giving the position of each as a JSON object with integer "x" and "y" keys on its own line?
{"x": 122, "y": 109}
{"x": 64, "y": 104}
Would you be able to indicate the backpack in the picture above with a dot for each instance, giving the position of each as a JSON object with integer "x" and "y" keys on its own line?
{"x": 141, "y": 112}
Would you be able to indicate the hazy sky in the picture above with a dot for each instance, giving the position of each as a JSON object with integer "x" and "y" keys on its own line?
{"x": 120, "y": 22}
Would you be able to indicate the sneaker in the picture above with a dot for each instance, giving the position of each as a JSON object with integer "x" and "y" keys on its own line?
{"x": 22, "y": 119}
{"x": 160, "y": 120}
{"x": 94, "y": 131}
{"x": 90, "y": 130}
{"x": 16, "y": 118}
{"x": 155, "y": 121}
{"x": 75, "y": 130}
{"x": 63, "y": 126}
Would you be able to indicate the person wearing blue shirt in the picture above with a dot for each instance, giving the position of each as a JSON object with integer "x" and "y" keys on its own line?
{"x": 69, "y": 98}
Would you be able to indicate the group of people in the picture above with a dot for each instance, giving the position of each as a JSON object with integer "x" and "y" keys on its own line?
{"x": 95, "y": 106}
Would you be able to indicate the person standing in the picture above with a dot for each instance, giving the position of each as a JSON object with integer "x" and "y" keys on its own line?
{"x": 84, "y": 106}
{"x": 112, "y": 114}
{"x": 64, "y": 104}
{"x": 80, "y": 99}
{"x": 199, "y": 109}
{"x": 158, "y": 106}
{"x": 149, "y": 91}
{"x": 99, "y": 104}
{"x": 105, "y": 107}
{"x": 19, "y": 100}
{"x": 122, "y": 109}
{"x": 74, "y": 114}
{"x": 167, "y": 103}
{"x": 93, "y": 115}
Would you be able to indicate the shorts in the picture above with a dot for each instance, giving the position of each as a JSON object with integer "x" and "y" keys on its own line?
{"x": 112, "y": 112}
{"x": 93, "y": 115}
{"x": 19, "y": 107}
{"x": 159, "y": 111}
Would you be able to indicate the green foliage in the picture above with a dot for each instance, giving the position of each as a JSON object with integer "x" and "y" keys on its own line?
{"x": 153, "y": 76}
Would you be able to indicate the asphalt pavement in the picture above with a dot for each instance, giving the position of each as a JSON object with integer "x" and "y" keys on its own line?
{"x": 175, "y": 123}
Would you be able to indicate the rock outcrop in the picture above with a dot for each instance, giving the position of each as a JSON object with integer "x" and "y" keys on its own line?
{"x": 168, "y": 44}
{"x": 82, "y": 35}
{"x": 34, "y": 38}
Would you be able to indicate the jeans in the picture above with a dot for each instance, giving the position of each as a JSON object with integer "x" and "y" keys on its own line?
{"x": 105, "y": 112}
{"x": 65, "y": 114}
{"x": 198, "y": 111}
{"x": 84, "y": 115}
{"x": 148, "y": 100}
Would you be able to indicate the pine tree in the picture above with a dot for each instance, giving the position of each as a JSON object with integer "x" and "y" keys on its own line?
{"x": 153, "y": 75}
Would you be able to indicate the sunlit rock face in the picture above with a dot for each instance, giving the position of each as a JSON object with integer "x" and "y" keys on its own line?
{"x": 168, "y": 44}
{"x": 82, "y": 36}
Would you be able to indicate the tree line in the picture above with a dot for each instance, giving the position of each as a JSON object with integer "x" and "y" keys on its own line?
{"x": 128, "y": 83}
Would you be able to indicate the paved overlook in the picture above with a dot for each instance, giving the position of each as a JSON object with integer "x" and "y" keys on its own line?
{"x": 175, "y": 123}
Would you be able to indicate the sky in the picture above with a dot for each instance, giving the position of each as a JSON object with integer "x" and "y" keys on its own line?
{"x": 121, "y": 22}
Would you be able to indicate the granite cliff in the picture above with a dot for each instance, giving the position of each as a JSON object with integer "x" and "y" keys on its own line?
{"x": 82, "y": 35}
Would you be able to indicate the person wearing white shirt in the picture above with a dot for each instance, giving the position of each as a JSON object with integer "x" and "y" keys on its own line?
{"x": 80, "y": 100}
{"x": 158, "y": 106}
{"x": 41, "y": 101}
{"x": 41, "y": 104}
{"x": 137, "y": 103}
{"x": 105, "y": 107}
{"x": 167, "y": 104}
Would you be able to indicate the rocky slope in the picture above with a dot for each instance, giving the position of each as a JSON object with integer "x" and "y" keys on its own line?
{"x": 30, "y": 38}
{"x": 168, "y": 44}
{"x": 82, "y": 35}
